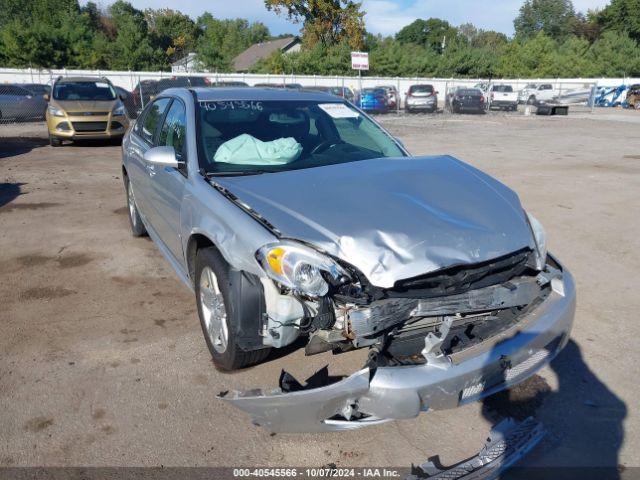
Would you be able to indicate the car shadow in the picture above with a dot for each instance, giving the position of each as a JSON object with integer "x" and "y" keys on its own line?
{"x": 12, "y": 146}
{"x": 274, "y": 355}
{"x": 9, "y": 192}
{"x": 583, "y": 419}
{"x": 94, "y": 143}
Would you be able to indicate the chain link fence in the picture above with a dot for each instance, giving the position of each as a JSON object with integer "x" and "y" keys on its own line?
{"x": 24, "y": 93}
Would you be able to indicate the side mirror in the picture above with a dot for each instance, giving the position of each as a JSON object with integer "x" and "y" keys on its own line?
{"x": 437, "y": 92}
{"x": 46, "y": 97}
{"x": 163, "y": 156}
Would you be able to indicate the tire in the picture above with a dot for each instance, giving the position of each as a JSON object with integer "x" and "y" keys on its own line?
{"x": 54, "y": 141}
{"x": 531, "y": 100}
{"x": 216, "y": 311}
{"x": 137, "y": 227}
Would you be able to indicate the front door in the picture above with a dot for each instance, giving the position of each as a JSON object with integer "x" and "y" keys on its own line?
{"x": 168, "y": 183}
{"x": 141, "y": 140}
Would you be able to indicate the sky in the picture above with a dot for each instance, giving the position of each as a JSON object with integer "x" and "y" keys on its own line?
{"x": 383, "y": 16}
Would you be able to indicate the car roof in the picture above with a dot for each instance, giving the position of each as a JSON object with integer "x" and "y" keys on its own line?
{"x": 257, "y": 94}
{"x": 15, "y": 85}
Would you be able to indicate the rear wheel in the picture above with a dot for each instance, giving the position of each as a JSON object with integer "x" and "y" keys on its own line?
{"x": 215, "y": 301}
{"x": 137, "y": 227}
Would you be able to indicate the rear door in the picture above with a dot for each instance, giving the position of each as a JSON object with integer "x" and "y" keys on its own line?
{"x": 167, "y": 185}
{"x": 142, "y": 139}
{"x": 12, "y": 102}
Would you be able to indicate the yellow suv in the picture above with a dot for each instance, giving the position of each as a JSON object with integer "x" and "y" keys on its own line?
{"x": 85, "y": 108}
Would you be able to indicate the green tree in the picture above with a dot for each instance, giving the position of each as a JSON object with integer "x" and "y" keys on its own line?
{"x": 431, "y": 33}
{"x": 587, "y": 26}
{"x": 622, "y": 16}
{"x": 44, "y": 33}
{"x": 324, "y": 21}
{"x": 133, "y": 47}
{"x": 570, "y": 59}
{"x": 221, "y": 40}
{"x": 530, "y": 58}
{"x": 173, "y": 32}
{"x": 555, "y": 18}
{"x": 615, "y": 54}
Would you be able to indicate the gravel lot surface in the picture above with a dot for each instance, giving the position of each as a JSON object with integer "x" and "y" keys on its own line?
{"x": 102, "y": 361}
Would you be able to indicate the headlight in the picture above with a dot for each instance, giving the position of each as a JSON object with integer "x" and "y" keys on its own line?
{"x": 55, "y": 111}
{"x": 299, "y": 267}
{"x": 119, "y": 111}
{"x": 540, "y": 237}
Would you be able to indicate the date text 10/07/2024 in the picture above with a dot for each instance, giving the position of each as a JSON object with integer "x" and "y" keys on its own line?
{"x": 323, "y": 472}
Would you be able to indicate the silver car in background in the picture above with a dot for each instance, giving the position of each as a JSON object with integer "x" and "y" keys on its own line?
{"x": 293, "y": 214}
{"x": 18, "y": 103}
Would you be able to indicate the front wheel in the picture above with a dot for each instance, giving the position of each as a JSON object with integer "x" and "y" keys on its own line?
{"x": 54, "y": 141}
{"x": 215, "y": 301}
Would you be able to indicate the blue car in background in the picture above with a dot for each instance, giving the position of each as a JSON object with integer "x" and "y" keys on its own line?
{"x": 373, "y": 100}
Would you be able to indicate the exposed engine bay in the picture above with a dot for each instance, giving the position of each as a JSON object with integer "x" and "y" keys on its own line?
{"x": 445, "y": 312}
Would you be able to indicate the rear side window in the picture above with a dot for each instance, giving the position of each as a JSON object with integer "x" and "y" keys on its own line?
{"x": 152, "y": 119}
{"x": 174, "y": 130}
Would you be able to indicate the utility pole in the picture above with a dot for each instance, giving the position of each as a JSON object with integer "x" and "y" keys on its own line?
{"x": 360, "y": 86}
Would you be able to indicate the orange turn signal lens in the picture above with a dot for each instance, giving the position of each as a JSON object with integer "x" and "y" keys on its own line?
{"x": 274, "y": 259}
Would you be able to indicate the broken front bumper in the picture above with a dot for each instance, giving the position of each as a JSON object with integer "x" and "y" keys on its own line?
{"x": 373, "y": 396}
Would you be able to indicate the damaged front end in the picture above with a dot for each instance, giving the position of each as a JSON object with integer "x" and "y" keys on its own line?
{"x": 436, "y": 341}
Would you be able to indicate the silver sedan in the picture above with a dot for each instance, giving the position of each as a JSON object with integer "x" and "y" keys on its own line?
{"x": 293, "y": 214}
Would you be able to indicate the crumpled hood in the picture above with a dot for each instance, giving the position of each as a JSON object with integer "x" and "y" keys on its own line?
{"x": 393, "y": 219}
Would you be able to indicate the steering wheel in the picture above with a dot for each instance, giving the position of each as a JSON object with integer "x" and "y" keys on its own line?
{"x": 326, "y": 145}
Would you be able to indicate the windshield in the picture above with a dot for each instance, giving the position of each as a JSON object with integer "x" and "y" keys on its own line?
{"x": 84, "y": 91}
{"x": 238, "y": 136}
{"x": 502, "y": 88}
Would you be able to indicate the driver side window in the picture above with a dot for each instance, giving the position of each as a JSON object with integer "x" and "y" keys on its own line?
{"x": 174, "y": 131}
{"x": 151, "y": 118}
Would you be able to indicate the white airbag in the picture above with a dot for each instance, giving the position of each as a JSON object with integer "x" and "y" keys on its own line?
{"x": 247, "y": 150}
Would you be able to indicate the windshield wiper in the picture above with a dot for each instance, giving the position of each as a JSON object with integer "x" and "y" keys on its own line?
{"x": 240, "y": 173}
